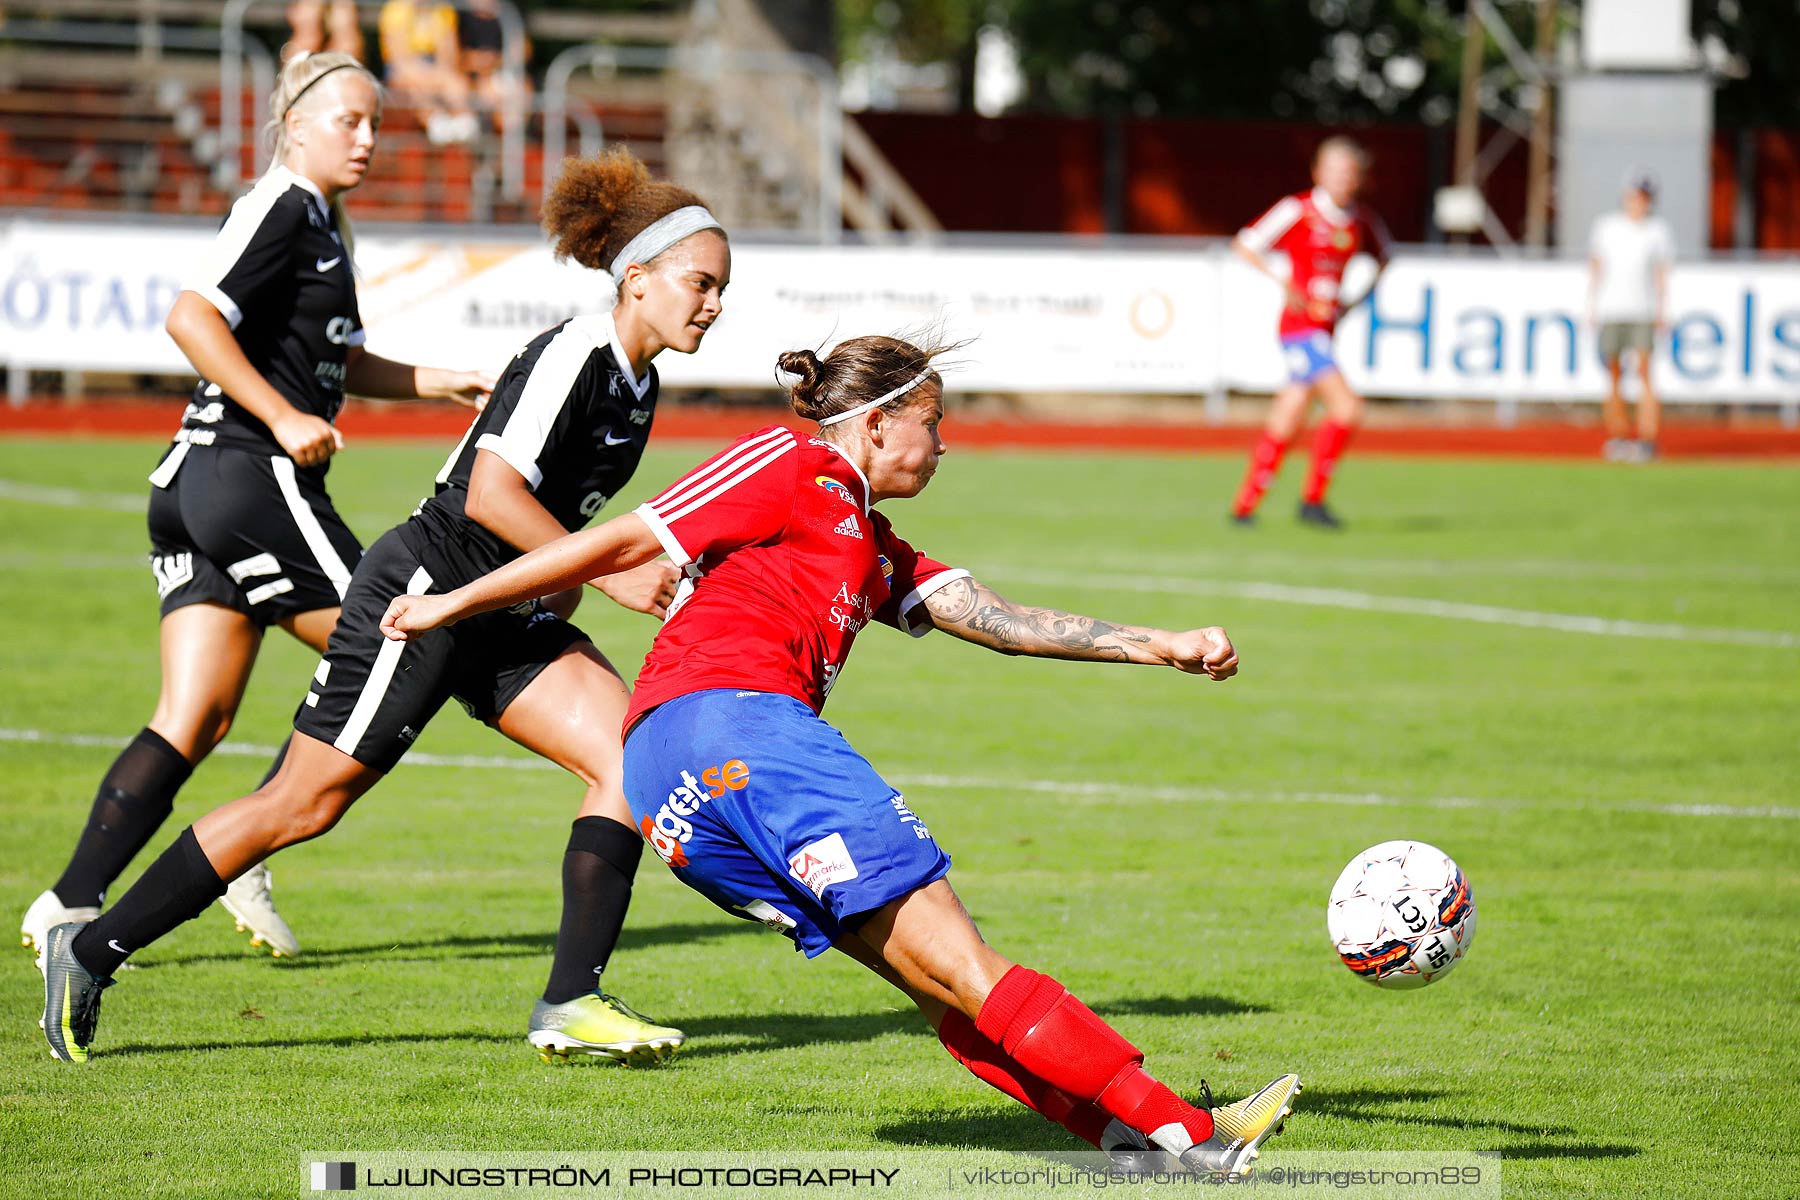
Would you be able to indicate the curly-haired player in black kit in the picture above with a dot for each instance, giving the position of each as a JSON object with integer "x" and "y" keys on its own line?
{"x": 563, "y": 432}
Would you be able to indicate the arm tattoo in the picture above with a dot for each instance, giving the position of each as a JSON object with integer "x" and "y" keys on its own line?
{"x": 976, "y": 613}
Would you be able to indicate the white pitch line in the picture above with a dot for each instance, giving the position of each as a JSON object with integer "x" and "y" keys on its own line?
{"x": 1280, "y": 593}
{"x": 62, "y": 497}
{"x": 1172, "y": 794}
{"x": 504, "y": 762}
{"x": 1487, "y": 614}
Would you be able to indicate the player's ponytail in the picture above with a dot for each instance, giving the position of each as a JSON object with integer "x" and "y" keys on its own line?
{"x": 600, "y": 205}
{"x": 864, "y": 372}
{"x": 294, "y": 90}
{"x": 800, "y": 371}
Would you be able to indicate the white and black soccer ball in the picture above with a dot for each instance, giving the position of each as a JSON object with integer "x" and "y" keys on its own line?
{"x": 1401, "y": 914}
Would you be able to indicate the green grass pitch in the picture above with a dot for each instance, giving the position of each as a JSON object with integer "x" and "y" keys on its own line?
{"x": 1627, "y": 1024}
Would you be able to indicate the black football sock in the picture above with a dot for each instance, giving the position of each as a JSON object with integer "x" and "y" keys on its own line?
{"x": 598, "y": 867}
{"x": 177, "y": 887}
{"x": 134, "y": 800}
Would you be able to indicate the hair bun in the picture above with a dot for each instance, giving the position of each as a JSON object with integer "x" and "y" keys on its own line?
{"x": 798, "y": 371}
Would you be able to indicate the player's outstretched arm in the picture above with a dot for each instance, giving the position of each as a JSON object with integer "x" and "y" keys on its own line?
{"x": 620, "y": 544}
{"x": 974, "y": 612}
{"x": 369, "y": 374}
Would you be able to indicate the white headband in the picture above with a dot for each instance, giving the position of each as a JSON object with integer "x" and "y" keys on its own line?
{"x": 660, "y": 234}
{"x": 878, "y": 401}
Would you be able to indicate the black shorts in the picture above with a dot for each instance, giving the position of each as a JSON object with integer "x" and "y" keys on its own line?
{"x": 371, "y": 697}
{"x": 248, "y": 531}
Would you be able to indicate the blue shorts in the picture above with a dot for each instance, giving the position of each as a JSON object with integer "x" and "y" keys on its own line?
{"x": 760, "y": 806}
{"x": 1308, "y": 356}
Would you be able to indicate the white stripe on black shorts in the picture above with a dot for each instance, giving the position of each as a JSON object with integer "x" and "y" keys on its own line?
{"x": 249, "y": 532}
{"x": 371, "y": 697}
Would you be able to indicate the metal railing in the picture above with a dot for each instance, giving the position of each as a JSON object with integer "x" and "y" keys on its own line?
{"x": 884, "y": 194}
{"x": 262, "y": 63}
{"x": 151, "y": 41}
{"x": 707, "y": 63}
{"x": 231, "y": 87}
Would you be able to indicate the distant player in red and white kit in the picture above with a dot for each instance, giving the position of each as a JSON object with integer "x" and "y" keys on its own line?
{"x": 763, "y": 808}
{"x": 1319, "y": 232}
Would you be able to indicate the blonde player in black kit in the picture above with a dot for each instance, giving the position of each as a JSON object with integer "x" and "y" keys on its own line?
{"x": 563, "y": 432}
{"x": 243, "y": 534}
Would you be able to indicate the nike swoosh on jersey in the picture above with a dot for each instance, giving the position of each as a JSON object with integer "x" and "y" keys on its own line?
{"x": 613, "y": 441}
{"x": 325, "y": 264}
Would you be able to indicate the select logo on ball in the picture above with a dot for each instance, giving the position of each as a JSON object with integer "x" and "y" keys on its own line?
{"x": 1401, "y": 914}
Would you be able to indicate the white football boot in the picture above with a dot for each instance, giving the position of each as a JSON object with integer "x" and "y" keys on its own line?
{"x": 250, "y": 905}
{"x": 45, "y": 914}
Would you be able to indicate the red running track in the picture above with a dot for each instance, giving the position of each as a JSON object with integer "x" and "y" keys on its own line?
{"x": 137, "y": 419}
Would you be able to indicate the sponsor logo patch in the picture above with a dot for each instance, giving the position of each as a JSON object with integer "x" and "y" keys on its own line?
{"x": 836, "y": 488}
{"x": 762, "y": 912}
{"x": 669, "y": 829}
{"x": 850, "y": 611}
{"x": 823, "y": 863}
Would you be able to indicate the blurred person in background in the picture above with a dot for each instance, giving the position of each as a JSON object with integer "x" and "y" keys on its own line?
{"x": 315, "y": 25}
{"x": 1319, "y": 232}
{"x": 423, "y": 63}
{"x": 243, "y": 535}
{"x": 482, "y": 41}
{"x": 1629, "y": 253}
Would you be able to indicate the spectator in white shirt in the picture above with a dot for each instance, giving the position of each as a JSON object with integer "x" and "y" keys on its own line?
{"x": 1629, "y": 253}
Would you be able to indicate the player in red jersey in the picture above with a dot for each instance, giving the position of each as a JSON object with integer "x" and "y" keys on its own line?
{"x": 1319, "y": 232}
{"x": 759, "y": 805}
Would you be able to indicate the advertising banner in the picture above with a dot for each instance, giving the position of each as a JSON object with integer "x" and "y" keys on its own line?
{"x": 1176, "y": 320}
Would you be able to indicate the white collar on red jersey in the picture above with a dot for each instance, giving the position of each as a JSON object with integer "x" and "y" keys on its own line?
{"x": 851, "y": 463}
{"x": 1325, "y": 204}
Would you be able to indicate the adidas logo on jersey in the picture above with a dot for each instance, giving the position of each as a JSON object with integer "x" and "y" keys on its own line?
{"x": 849, "y": 527}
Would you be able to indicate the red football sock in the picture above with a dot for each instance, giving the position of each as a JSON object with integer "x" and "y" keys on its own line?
{"x": 1058, "y": 1039}
{"x": 993, "y": 1066}
{"x": 1328, "y": 445}
{"x": 1265, "y": 460}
